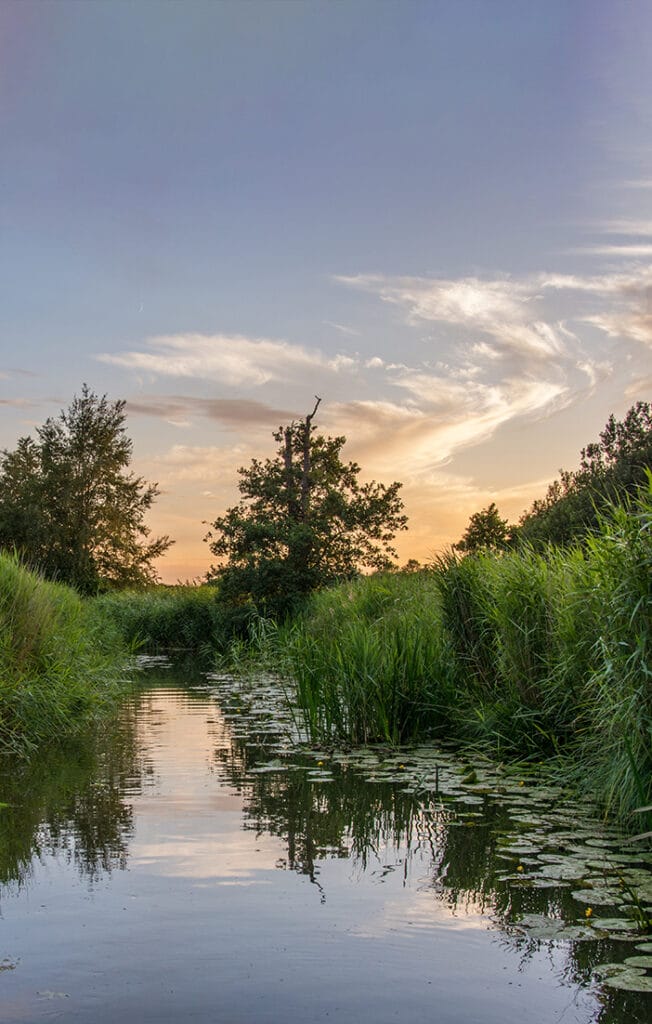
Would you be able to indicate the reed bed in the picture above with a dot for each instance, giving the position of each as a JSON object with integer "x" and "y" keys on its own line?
{"x": 532, "y": 654}
{"x": 164, "y": 619}
{"x": 60, "y": 664}
{"x": 367, "y": 662}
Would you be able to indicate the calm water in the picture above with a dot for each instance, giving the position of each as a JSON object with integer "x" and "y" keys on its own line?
{"x": 156, "y": 873}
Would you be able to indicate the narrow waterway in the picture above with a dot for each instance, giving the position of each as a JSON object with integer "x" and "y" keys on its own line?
{"x": 186, "y": 864}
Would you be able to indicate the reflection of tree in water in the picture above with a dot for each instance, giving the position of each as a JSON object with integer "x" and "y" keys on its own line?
{"x": 70, "y": 800}
{"x": 341, "y": 818}
{"x": 350, "y": 817}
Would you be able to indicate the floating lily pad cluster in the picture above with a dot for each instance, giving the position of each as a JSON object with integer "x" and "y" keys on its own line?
{"x": 548, "y": 839}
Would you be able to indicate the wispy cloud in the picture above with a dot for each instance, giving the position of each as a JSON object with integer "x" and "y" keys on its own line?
{"x": 18, "y": 403}
{"x": 503, "y": 309}
{"x": 439, "y": 418}
{"x": 211, "y": 465}
{"x": 627, "y": 226}
{"x": 623, "y": 307}
{"x": 506, "y": 317}
{"x": 231, "y": 412}
{"x": 233, "y": 360}
{"x": 342, "y": 328}
{"x": 515, "y": 348}
{"x": 629, "y": 249}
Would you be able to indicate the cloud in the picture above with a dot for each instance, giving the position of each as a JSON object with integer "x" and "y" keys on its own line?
{"x": 627, "y": 227}
{"x": 502, "y": 309}
{"x": 515, "y": 348}
{"x": 234, "y": 413}
{"x": 630, "y": 249}
{"x": 232, "y": 360}
{"x": 624, "y": 300}
{"x": 342, "y": 328}
{"x": 211, "y": 465}
{"x": 439, "y": 418}
{"x": 506, "y": 318}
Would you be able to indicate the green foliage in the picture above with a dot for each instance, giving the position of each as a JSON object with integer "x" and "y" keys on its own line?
{"x": 486, "y": 531}
{"x": 618, "y": 694}
{"x": 367, "y": 660}
{"x": 611, "y": 470}
{"x": 69, "y": 506}
{"x": 304, "y": 522}
{"x": 59, "y": 663}
{"x": 534, "y": 654}
{"x": 170, "y": 618}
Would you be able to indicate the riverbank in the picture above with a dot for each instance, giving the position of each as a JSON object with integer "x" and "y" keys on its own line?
{"x": 61, "y": 663}
{"x": 532, "y": 656}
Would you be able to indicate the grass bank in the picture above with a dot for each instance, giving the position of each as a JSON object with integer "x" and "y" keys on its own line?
{"x": 166, "y": 619}
{"x": 60, "y": 663}
{"x": 533, "y": 655}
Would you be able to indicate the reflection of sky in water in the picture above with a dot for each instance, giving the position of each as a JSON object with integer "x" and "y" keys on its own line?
{"x": 202, "y": 925}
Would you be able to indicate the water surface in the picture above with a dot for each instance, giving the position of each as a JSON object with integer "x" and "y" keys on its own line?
{"x": 186, "y": 864}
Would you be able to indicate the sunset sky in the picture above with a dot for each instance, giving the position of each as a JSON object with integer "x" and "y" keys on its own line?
{"x": 435, "y": 215}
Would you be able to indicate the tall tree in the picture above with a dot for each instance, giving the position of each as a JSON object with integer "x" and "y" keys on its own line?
{"x": 69, "y": 504}
{"x": 304, "y": 521}
{"x": 486, "y": 531}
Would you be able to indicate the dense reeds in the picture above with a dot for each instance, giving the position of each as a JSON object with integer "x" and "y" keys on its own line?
{"x": 60, "y": 665}
{"x": 362, "y": 660}
{"x": 533, "y": 654}
{"x": 159, "y": 619}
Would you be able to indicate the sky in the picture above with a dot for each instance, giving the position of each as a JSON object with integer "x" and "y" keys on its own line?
{"x": 437, "y": 216}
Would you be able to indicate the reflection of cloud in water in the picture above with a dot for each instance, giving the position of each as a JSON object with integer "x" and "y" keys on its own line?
{"x": 223, "y": 856}
{"x": 419, "y": 911}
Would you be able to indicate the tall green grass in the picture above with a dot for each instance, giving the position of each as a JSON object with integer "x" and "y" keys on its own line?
{"x": 532, "y": 654}
{"x": 161, "y": 618}
{"x": 367, "y": 660}
{"x": 60, "y": 664}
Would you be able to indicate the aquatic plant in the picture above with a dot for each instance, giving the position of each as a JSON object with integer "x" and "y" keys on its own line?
{"x": 367, "y": 660}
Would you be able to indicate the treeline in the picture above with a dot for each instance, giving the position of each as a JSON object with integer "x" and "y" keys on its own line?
{"x": 611, "y": 471}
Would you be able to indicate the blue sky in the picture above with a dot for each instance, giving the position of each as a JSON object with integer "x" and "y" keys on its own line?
{"x": 436, "y": 215}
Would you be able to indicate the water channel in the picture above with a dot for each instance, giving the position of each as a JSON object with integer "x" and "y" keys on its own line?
{"x": 187, "y": 863}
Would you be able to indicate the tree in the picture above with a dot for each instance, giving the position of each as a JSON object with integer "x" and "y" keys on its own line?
{"x": 486, "y": 531}
{"x": 70, "y": 507}
{"x": 304, "y": 521}
{"x": 611, "y": 470}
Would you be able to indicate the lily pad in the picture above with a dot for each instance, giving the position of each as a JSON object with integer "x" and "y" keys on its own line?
{"x": 630, "y": 981}
{"x": 273, "y": 766}
{"x": 571, "y": 870}
{"x": 639, "y": 961}
{"x": 606, "y": 844}
{"x": 539, "y": 926}
{"x": 612, "y": 924}
{"x": 598, "y": 897}
{"x": 605, "y": 971}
